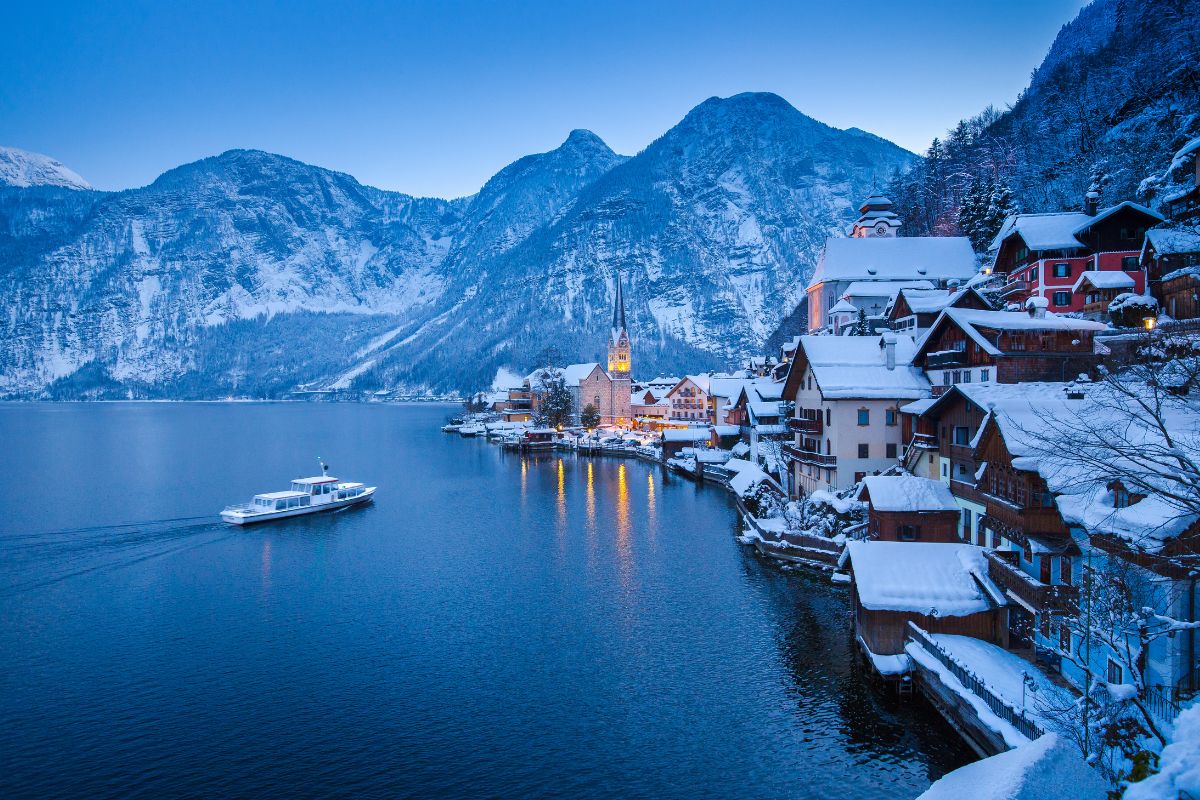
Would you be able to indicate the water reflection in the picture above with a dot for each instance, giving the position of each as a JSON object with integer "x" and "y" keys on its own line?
{"x": 651, "y": 511}
{"x": 624, "y": 548}
{"x": 561, "y": 509}
{"x": 266, "y": 567}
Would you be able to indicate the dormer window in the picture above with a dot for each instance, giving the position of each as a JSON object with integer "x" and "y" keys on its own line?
{"x": 1120, "y": 497}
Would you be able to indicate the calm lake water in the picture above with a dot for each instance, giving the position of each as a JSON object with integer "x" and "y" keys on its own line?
{"x": 490, "y": 627}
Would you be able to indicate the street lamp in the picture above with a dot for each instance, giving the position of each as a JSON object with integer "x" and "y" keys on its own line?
{"x": 1149, "y": 322}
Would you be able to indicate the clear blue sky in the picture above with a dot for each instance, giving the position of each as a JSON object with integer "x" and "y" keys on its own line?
{"x": 433, "y": 98}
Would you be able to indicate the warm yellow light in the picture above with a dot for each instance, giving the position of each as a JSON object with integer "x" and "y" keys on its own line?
{"x": 1149, "y": 322}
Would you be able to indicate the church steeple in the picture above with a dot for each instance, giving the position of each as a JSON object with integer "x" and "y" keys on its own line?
{"x": 618, "y": 342}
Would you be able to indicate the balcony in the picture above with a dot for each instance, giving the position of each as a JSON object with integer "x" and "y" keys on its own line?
{"x": 809, "y": 425}
{"x": 944, "y": 359}
{"x": 1014, "y": 287}
{"x": 1008, "y": 576}
{"x": 794, "y": 453}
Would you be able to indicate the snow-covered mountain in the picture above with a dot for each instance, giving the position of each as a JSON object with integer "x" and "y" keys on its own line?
{"x": 22, "y": 168}
{"x": 252, "y": 274}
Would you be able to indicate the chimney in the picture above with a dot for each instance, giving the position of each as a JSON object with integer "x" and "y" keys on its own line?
{"x": 889, "y": 349}
{"x": 1091, "y": 203}
{"x": 1036, "y": 306}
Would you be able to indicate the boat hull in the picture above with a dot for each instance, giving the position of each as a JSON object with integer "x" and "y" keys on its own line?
{"x": 238, "y": 518}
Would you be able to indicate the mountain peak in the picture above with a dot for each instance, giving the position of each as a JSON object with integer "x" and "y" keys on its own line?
{"x": 23, "y": 169}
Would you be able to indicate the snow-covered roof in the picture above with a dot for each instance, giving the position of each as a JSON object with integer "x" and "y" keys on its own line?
{"x": 927, "y": 301}
{"x": 949, "y": 580}
{"x": 280, "y": 495}
{"x": 908, "y": 493}
{"x": 970, "y": 320}
{"x": 1033, "y": 428}
{"x": 1104, "y": 280}
{"x": 685, "y": 435}
{"x": 726, "y": 387}
{"x": 882, "y": 288}
{"x": 572, "y": 374}
{"x": 1173, "y": 241}
{"x": 748, "y": 475}
{"x": 316, "y": 479}
{"x": 1044, "y": 768}
{"x": 854, "y": 366}
{"x": 843, "y": 306}
{"x": 1058, "y": 230}
{"x": 888, "y": 258}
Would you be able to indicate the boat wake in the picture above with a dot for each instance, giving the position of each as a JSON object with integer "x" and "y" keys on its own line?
{"x": 56, "y": 556}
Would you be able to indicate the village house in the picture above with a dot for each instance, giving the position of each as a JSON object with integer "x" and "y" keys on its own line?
{"x": 875, "y": 264}
{"x": 904, "y": 508}
{"x": 1046, "y": 255}
{"x": 650, "y": 409}
{"x": 971, "y": 346}
{"x": 939, "y": 433}
{"x": 1050, "y": 514}
{"x": 914, "y": 311}
{"x": 1174, "y": 254}
{"x": 942, "y": 588}
{"x": 689, "y": 399}
{"x": 846, "y": 392}
{"x": 675, "y": 440}
{"x": 759, "y": 411}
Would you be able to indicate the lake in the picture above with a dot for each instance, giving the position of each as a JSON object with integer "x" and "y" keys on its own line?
{"x": 492, "y": 626}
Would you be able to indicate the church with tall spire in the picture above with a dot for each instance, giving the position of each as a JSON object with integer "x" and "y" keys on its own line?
{"x": 618, "y": 340}
{"x": 611, "y": 390}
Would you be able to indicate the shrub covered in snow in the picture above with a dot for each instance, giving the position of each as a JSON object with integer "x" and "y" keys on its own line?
{"x": 1129, "y": 310}
{"x": 826, "y": 514}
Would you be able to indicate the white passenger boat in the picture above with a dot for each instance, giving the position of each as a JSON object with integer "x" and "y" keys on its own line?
{"x": 307, "y": 496}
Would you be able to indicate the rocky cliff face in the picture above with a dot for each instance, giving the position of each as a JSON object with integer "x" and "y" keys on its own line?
{"x": 253, "y": 274}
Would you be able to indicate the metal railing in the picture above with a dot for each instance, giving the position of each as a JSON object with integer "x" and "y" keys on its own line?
{"x": 976, "y": 686}
{"x": 809, "y": 457}
{"x": 1161, "y": 702}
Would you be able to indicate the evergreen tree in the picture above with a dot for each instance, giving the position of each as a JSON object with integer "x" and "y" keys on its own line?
{"x": 590, "y": 418}
{"x": 861, "y": 327}
{"x": 973, "y": 211}
{"x": 557, "y": 405}
{"x": 1000, "y": 207}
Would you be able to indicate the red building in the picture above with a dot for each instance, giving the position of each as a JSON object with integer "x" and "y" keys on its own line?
{"x": 1046, "y": 255}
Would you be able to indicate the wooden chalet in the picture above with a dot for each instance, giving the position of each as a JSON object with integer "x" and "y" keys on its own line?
{"x": 904, "y": 508}
{"x": 918, "y": 309}
{"x": 970, "y": 346}
{"x": 942, "y": 588}
{"x": 1044, "y": 255}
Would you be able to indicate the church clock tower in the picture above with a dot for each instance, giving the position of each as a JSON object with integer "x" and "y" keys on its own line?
{"x": 876, "y": 218}
{"x": 620, "y": 402}
{"x": 618, "y": 341}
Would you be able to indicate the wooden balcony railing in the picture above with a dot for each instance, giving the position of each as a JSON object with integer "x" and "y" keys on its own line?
{"x": 809, "y": 425}
{"x": 1014, "y": 287}
{"x": 1031, "y": 591}
{"x": 808, "y": 457}
{"x": 946, "y": 358}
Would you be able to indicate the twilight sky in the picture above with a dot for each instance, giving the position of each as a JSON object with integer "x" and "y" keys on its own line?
{"x": 432, "y": 98}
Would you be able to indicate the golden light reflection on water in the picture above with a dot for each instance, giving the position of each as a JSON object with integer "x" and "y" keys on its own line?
{"x": 624, "y": 549}
{"x": 561, "y": 506}
{"x": 651, "y": 511}
{"x": 524, "y": 476}
{"x": 590, "y": 526}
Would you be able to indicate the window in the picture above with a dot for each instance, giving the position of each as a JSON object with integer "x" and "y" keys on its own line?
{"x": 985, "y": 375}
{"x": 946, "y": 378}
{"x": 890, "y": 449}
{"x": 827, "y": 415}
{"x": 889, "y": 417}
{"x": 1062, "y": 298}
{"x": 1033, "y": 274}
{"x": 858, "y": 476}
{"x": 1115, "y": 673}
{"x": 962, "y": 470}
{"x": 966, "y": 376}
{"x": 1064, "y": 638}
{"x": 864, "y": 451}
{"x": 1064, "y": 571}
{"x": 864, "y": 416}
{"x": 966, "y": 524}
{"x": 958, "y": 376}
{"x": 1062, "y": 270}
{"x": 1129, "y": 263}
{"x": 1027, "y": 551}
{"x": 1120, "y": 496}
{"x": 828, "y": 448}
{"x": 907, "y": 533}
{"x": 962, "y": 435}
